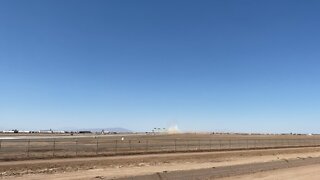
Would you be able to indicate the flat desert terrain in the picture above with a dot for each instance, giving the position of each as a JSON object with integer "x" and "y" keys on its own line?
{"x": 310, "y": 172}
{"x": 263, "y": 161}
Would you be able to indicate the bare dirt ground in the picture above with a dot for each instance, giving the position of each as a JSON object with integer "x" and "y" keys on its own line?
{"x": 137, "y": 165}
{"x": 229, "y": 171}
{"x": 310, "y": 172}
{"x": 27, "y": 147}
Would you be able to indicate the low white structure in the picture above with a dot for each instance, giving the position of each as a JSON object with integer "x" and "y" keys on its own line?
{"x": 58, "y": 132}
{"x": 7, "y": 131}
{"x": 24, "y": 131}
{"x": 46, "y": 131}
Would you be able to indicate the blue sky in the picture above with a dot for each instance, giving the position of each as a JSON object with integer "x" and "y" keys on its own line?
{"x": 246, "y": 66}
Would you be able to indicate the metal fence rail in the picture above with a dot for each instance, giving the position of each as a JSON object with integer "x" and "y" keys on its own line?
{"x": 14, "y": 149}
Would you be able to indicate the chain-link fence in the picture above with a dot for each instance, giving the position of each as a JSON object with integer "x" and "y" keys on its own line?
{"x": 14, "y": 149}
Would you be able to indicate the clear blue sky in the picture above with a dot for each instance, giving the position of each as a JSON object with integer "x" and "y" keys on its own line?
{"x": 224, "y": 65}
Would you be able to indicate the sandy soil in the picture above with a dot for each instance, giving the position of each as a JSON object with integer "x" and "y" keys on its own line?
{"x": 125, "y": 166}
{"x": 27, "y": 147}
{"x": 298, "y": 173}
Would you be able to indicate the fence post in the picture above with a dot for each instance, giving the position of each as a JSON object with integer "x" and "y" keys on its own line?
{"x": 116, "y": 146}
{"x": 220, "y": 145}
{"x": 247, "y": 141}
{"x": 76, "y": 147}
{"x": 97, "y": 145}
{"x": 188, "y": 142}
{"x": 210, "y": 144}
{"x": 28, "y": 148}
{"x": 147, "y": 144}
{"x": 162, "y": 147}
{"x": 0, "y": 144}
{"x": 229, "y": 144}
{"x": 54, "y": 147}
{"x": 198, "y": 144}
{"x": 130, "y": 145}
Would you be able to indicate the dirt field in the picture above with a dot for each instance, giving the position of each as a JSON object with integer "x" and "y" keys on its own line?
{"x": 209, "y": 163}
{"x": 229, "y": 171}
{"x": 137, "y": 165}
{"x": 54, "y": 146}
{"x": 310, "y": 172}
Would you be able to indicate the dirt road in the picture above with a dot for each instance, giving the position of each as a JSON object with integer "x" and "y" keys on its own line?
{"x": 226, "y": 171}
{"x": 310, "y": 172}
{"x": 138, "y": 165}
